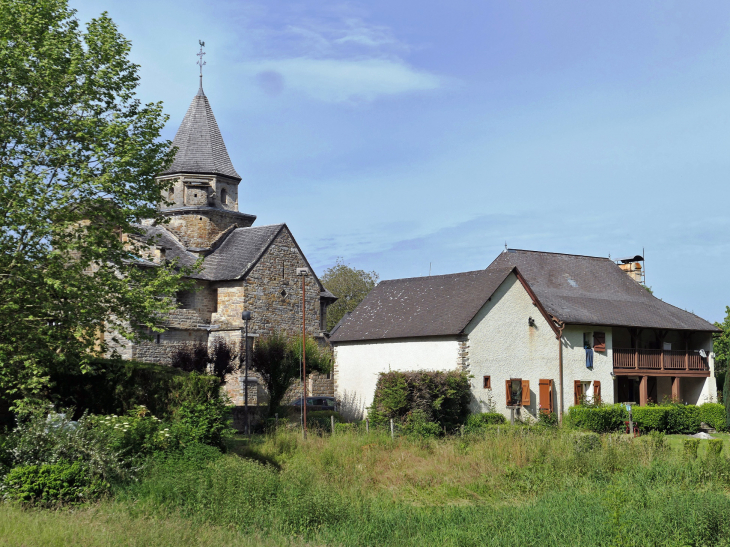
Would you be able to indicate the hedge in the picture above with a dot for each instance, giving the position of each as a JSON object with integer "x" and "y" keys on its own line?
{"x": 713, "y": 414}
{"x": 600, "y": 419}
{"x": 480, "y": 421}
{"x": 440, "y": 397}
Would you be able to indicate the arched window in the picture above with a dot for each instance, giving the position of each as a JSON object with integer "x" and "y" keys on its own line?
{"x": 224, "y": 196}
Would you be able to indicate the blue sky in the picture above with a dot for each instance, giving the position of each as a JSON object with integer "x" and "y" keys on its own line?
{"x": 402, "y": 134}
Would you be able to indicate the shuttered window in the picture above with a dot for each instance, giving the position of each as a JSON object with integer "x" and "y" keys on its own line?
{"x": 596, "y": 391}
{"x": 514, "y": 393}
{"x": 599, "y": 341}
{"x": 546, "y": 396}
{"x": 487, "y": 382}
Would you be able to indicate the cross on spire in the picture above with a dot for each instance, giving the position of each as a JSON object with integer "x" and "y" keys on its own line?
{"x": 200, "y": 61}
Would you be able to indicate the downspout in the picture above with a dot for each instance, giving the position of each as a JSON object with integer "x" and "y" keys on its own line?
{"x": 561, "y": 326}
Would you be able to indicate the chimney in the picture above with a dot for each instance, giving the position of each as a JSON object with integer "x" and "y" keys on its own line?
{"x": 633, "y": 266}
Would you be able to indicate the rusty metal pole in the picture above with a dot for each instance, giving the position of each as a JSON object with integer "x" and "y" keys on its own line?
{"x": 304, "y": 350}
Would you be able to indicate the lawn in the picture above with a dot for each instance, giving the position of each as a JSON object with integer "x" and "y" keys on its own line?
{"x": 518, "y": 486}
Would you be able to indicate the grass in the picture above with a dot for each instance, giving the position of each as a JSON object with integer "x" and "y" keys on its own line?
{"x": 515, "y": 487}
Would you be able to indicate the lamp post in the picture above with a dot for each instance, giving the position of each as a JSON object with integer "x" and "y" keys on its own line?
{"x": 303, "y": 273}
{"x": 246, "y": 316}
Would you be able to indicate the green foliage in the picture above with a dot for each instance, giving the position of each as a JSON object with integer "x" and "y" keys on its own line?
{"x": 479, "y": 421}
{"x": 726, "y": 397}
{"x": 683, "y": 418}
{"x": 322, "y": 419}
{"x": 349, "y": 285}
{"x": 49, "y": 484}
{"x": 417, "y": 425}
{"x": 721, "y": 344}
{"x": 277, "y": 360}
{"x": 548, "y": 419}
{"x": 690, "y": 448}
{"x": 583, "y": 443}
{"x": 650, "y": 418}
{"x": 714, "y": 447}
{"x": 78, "y": 159}
{"x": 714, "y": 415}
{"x": 600, "y": 418}
{"x": 220, "y": 360}
{"x": 442, "y": 397}
{"x": 205, "y": 422}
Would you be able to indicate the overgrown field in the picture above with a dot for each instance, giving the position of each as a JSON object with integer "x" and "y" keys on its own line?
{"x": 498, "y": 487}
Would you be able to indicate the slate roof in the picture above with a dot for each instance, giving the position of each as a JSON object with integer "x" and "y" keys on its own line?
{"x": 200, "y": 145}
{"x": 437, "y": 305}
{"x": 594, "y": 291}
{"x": 239, "y": 252}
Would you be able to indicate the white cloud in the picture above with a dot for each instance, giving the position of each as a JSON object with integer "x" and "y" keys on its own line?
{"x": 347, "y": 80}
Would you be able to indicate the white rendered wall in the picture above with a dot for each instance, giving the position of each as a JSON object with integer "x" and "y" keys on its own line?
{"x": 574, "y": 362}
{"x": 503, "y": 345}
{"x": 357, "y": 365}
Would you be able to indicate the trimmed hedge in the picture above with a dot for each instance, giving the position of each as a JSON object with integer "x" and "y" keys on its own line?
{"x": 650, "y": 418}
{"x": 480, "y": 421}
{"x": 600, "y": 419}
{"x": 441, "y": 397}
{"x": 713, "y": 414}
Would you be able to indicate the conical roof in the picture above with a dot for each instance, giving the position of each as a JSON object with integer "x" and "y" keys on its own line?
{"x": 199, "y": 142}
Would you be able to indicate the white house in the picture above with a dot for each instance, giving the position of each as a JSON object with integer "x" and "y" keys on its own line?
{"x": 535, "y": 331}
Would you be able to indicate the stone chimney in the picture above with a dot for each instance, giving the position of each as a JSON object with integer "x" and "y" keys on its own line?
{"x": 633, "y": 266}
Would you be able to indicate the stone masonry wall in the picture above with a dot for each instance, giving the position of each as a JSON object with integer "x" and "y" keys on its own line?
{"x": 199, "y": 230}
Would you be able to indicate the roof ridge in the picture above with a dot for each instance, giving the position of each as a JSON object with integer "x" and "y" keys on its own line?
{"x": 482, "y": 270}
{"x": 554, "y": 253}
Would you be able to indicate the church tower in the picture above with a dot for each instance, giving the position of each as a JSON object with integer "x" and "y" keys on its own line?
{"x": 205, "y": 193}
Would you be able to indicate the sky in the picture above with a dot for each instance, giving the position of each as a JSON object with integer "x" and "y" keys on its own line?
{"x": 414, "y": 137}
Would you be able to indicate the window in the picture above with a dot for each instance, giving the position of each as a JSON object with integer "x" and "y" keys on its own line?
{"x": 586, "y": 391}
{"x": 487, "y": 382}
{"x": 518, "y": 392}
{"x": 158, "y": 338}
{"x": 224, "y": 196}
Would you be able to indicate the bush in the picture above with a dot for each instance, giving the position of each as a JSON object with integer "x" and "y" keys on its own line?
{"x": 683, "y": 418}
{"x": 48, "y": 484}
{"x": 443, "y": 397}
{"x": 714, "y": 446}
{"x": 690, "y": 448}
{"x": 600, "y": 418}
{"x": 713, "y": 414}
{"x": 205, "y": 422}
{"x": 480, "y": 421}
{"x": 586, "y": 442}
{"x": 322, "y": 419}
{"x": 650, "y": 418}
{"x": 417, "y": 425}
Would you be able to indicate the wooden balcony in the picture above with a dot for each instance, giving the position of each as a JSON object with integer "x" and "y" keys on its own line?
{"x": 657, "y": 362}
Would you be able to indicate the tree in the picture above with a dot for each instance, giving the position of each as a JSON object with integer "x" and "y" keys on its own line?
{"x": 349, "y": 285}
{"x": 220, "y": 360}
{"x": 721, "y": 343}
{"x": 78, "y": 159}
{"x": 277, "y": 359}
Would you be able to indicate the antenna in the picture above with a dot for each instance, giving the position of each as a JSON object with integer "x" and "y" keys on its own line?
{"x": 200, "y": 61}
{"x": 429, "y": 269}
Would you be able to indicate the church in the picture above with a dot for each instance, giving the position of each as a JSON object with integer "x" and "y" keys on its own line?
{"x": 244, "y": 267}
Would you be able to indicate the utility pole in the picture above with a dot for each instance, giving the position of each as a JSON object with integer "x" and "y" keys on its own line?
{"x": 303, "y": 272}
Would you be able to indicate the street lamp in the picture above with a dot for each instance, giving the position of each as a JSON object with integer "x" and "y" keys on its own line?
{"x": 303, "y": 273}
{"x": 245, "y": 316}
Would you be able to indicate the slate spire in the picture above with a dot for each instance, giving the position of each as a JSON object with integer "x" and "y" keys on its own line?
{"x": 201, "y": 149}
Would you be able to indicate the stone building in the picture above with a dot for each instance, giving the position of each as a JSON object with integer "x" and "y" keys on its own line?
{"x": 244, "y": 267}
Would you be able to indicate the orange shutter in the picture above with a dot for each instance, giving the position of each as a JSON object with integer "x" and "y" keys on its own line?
{"x": 577, "y": 392}
{"x": 550, "y": 399}
{"x": 525, "y": 393}
{"x": 509, "y": 392}
{"x": 545, "y": 402}
{"x": 596, "y": 391}
{"x": 599, "y": 341}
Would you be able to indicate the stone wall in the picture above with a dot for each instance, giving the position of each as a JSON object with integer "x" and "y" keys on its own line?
{"x": 199, "y": 227}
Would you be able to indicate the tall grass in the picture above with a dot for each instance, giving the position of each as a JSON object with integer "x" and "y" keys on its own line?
{"x": 511, "y": 487}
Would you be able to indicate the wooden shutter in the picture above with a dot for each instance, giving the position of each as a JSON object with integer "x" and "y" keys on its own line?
{"x": 599, "y": 341}
{"x": 508, "y": 383}
{"x": 551, "y": 398}
{"x": 545, "y": 397}
{"x": 577, "y": 392}
{"x": 596, "y": 391}
{"x": 525, "y": 393}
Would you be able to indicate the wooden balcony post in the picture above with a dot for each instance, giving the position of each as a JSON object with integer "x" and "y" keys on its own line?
{"x": 644, "y": 391}
{"x": 675, "y": 388}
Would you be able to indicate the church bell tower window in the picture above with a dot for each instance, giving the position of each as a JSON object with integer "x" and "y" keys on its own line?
{"x": 224, "y": 196}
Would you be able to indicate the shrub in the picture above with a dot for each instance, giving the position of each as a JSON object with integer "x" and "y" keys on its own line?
{"x": 714, "y": 446}
{"x": 600, "y": 418}
{"x": 586, "y": 442}
{"x": 443, "y": 397}
{"x": 690, "y": 448}
{"x": 650, "y": 418}
{"x": 417, "y": 425}
{"x": 713, "y": 414}
{"x": 548, "y": 419}
{"x": 480, "y": 421}
{"x": 48, "y": 484}
{"x": 322, "y": 419}
{"x": 683, "y": 418}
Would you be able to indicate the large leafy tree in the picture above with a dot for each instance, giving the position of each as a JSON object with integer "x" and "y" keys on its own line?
{"x": 78, "y": 158}
{"x": 349, "y": 285}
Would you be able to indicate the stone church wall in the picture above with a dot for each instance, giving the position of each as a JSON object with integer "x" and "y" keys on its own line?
{"x": 200, "y": 230}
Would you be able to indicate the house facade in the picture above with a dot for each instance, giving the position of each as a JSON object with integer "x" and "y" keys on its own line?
{"x": 536, "y": 332}
{"x": 244, "y": 267}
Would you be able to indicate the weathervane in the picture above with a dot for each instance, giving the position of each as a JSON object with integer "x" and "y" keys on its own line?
{"x": 200, "y": 61}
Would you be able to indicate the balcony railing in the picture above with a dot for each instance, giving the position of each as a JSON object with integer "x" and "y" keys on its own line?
{"x": 659, "y": 360}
